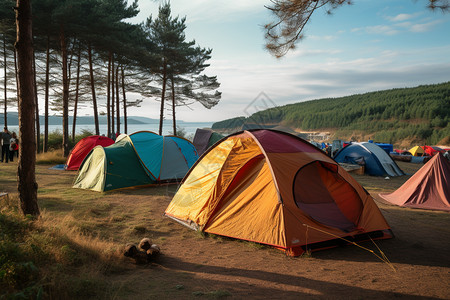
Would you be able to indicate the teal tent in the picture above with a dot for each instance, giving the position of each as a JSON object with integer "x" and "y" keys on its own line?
{"x": 138, "y": 159}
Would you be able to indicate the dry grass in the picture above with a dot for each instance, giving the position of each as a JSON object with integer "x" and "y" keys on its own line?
{"x": 51, "y": 157}
{"x": 77, "y": 247}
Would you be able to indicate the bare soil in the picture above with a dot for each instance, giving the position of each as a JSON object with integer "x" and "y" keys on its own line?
{"x": 193, "y": 266}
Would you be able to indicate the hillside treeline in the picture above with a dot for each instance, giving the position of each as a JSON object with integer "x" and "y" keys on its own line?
{"x": 420, "y": 114}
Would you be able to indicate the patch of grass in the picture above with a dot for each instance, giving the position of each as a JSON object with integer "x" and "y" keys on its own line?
{"x": 213, "y": 294}
{"x": 19, "y": 276}
{"x": 255, "y": 245}
{"x": 201, "y": 234}
{"x": 46, "y": 258}
{"x": 140, "y": 229}
{"x": 306, "y": 254}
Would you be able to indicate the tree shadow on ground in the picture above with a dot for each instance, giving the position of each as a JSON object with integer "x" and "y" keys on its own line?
{"x": 239, "y": 283}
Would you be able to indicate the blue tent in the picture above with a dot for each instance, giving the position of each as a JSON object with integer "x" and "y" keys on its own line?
{"x": 389, "y": 148}
{"x": 375, "y": 160}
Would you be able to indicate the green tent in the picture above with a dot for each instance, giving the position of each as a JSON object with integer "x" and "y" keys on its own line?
{"x": 139, "y": 159}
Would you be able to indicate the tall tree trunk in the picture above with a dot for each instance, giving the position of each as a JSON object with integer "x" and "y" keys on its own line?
{"x": 163, "y": 96}
{"x": 38, "y": 123}
{"x": 5, "y": 115}
{"x": 47, "y": 85}
{"x": 108, "y": 96}
{"x": 94, "y": 99}
{"x": 125, "y": 123}
{"x": 27, "y": 185}
{"x": 77, "y": 86}
{"x": 65, "y": 101}
{"x": 174, "y": 122}
{"x": 112, "y": 97}
{"x": 16, "y": 69}
{"x": 117, "y": 100}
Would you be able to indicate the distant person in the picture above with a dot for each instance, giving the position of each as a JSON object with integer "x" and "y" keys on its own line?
{"x": 328, "y": 150}
{"x": 6, "y": 137}
{"x": 13, "y": 146}
{"x": 447, "y": 155}
{"x": 333, "y": 153}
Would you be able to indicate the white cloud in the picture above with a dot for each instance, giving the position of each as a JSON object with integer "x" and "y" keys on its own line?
{"x": 293, "y": 80}
{"x": 419, "y": 27}
{"x": 402, "y": 17}
{"x": 322, "y": 37}
{"x": 424, "y": 27}
{"x": 301, "y": 52}
{"x": 381, "y": 29}
{"x": 404, "y": 25}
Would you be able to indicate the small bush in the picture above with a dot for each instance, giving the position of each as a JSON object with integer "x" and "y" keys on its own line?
{"x": 55, "y": 139}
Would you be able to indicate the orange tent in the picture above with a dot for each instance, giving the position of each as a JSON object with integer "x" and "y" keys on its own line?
{"x": 274, "y": 188}
{"x": 429, "y": 188}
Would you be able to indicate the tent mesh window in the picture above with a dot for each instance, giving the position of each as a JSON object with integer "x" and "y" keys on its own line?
{"x": 321, "y": 193}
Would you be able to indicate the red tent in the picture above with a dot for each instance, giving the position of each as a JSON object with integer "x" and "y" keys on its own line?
{"x": 83, "y": 147}
{"x": 429, "y": 188}
{"x": 432, "y": 150}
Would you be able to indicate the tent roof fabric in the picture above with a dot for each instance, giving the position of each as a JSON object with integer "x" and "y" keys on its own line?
{"x": 156, "y": 151}
{"x": 272, "y": 187}
{"x": 416, "y": 151}
{"x": 432, "y": 150}
{"x": 82, "y": 149}
{"x": 205, "y": 138}
{"x": 429, "y": 188}
{"x": 376, "y": 161}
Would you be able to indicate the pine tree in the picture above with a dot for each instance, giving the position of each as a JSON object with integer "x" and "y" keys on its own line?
{"x": 180, "y": 64}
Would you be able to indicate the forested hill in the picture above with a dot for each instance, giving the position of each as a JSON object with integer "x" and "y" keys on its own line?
{"x": 419, "y": 115}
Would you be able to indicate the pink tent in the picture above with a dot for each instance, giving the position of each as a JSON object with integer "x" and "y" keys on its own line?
{"x": 429, "y": 188}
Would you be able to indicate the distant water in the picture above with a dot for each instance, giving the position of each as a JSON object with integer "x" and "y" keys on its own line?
{"x": 188, "y": 127}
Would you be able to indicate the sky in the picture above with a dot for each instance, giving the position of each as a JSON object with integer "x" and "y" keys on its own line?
{"x": 364, "y": 47}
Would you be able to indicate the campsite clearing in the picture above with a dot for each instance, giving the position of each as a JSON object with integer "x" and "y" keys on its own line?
{"x": 193, "y": 266}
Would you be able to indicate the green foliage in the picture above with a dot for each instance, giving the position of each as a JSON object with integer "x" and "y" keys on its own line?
{"x": 55, "y": 139}
{"x": 180, "y": 64}
{"x": 230, "y": 123}
{"x": 421, "y": 114}
{"x": 181, "y": 132}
